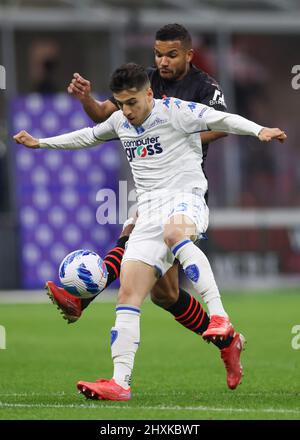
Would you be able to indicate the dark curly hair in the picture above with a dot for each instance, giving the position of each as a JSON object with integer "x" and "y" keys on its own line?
{"x": 171, "y": 32}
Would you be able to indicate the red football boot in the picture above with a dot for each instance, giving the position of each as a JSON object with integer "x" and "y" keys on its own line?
{"x": 104, "y": 389}
{"x": 231, "y": 358}
{"x": 219, "y": 326}
{"x": 69, "y": 305}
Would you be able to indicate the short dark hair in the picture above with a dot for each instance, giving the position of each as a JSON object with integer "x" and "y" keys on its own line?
{"x": 129, "y": 76}
{"x": 172, "y": 32}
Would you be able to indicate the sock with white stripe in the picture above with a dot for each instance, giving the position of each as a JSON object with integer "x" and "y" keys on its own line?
{"x": 197, "y": 268}
{"x": 125, "y": 339}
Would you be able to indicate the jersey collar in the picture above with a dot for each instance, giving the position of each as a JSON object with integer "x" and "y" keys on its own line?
{"x": 140, "y": 128}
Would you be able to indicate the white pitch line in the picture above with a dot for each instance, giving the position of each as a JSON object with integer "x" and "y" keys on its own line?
{"x": 174, "y": 394}
{"x": 33, "y": 393}
{"x": 158, "y": 407}
{"x": 40, "y": 297}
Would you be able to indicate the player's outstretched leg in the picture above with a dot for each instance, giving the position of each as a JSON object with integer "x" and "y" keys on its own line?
{"x": 70, "y": 306}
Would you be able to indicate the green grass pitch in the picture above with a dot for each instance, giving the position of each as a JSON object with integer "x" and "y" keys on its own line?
{"x": 176, "y": 376}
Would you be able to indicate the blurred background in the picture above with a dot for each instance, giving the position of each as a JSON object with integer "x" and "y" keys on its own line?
{"x": 49, "y": 199}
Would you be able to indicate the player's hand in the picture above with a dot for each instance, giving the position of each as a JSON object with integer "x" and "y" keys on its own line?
{"x": 267, "y": 134}
{"x": 26, "y": 139}
{"x": 80, "y": 87}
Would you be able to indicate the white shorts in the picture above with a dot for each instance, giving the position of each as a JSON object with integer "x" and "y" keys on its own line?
{"x": 146, "y": 242}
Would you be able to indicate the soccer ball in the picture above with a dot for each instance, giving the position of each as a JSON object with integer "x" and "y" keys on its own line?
{"x": 83, "y": 273}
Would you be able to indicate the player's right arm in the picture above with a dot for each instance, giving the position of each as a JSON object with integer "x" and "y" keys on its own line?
{"x": 81, "y": 89}
{"x": 26, "y": 139}
{"x": 86, "y": 137}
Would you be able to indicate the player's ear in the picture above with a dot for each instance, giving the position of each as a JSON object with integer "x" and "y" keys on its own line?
{"x": 189, "y": 55}
{"x": 149, "y": 92}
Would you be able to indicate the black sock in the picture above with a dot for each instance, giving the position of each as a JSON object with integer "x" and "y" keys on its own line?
{"x": 112, "y": 262}
{"x": 189, "y": 312}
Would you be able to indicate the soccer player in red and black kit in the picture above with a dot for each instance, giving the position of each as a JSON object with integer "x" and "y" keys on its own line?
{"x": 174, "y": 75}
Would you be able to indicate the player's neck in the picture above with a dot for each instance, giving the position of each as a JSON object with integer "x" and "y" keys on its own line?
{"x": 151, "y": 106}
{"x": 184, "y": 74}
{"x": 148, "y": 113}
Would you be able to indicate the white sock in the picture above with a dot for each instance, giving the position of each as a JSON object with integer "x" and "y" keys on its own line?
{"x": 125, "y": 339}
{"x": 197, "y": 268}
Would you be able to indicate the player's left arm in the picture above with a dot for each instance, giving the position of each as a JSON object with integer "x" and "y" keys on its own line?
{"x": 213, "y": 97}
{"x": 236, "y": 124}
{"x": 191, "y": 118}
{"x": 267, "y": 134}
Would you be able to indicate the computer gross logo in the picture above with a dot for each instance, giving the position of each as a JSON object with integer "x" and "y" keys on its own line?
{"x": 142, "y": 148}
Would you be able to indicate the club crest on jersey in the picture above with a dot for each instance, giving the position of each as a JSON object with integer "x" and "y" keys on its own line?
{"x": 142, "y": 148}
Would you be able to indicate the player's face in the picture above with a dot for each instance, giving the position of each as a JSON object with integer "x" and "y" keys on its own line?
{"x": 136, "y": 105}
{"x": 172, "y": 59}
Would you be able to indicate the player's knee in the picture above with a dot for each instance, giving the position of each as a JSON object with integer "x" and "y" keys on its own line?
{"x": 164, "y": 298}
{"x": 172, "y": 235}
{"x": 126, "y": 295}
{"x": 164, "y": 303}
{"x": 129, "y": 293}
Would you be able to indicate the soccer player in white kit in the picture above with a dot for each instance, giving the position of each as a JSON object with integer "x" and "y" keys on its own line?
{"x": 163, "y": 147}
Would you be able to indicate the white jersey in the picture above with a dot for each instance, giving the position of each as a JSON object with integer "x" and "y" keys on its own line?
{"x": 165, "y": 152}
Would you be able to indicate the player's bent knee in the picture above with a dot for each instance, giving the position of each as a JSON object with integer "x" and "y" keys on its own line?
{"x": 128, "y": 296}
{"x": 172, "y": 235}
{"x": 162, "y": 302}
{"x": 164, "y": 298}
